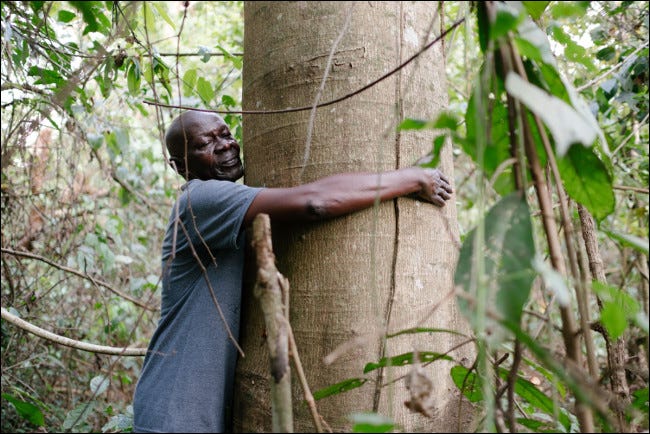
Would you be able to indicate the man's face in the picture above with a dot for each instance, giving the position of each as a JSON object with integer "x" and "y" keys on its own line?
{"x": 212, "y": 151}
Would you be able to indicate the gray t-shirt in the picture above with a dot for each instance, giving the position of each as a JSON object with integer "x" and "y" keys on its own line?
{"x": 187, "y": 376}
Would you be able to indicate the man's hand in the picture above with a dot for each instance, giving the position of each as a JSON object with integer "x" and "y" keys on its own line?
{"x": 435, "y": 187}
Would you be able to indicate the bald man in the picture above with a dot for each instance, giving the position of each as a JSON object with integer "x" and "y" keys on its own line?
{"x": 187, "y": 378}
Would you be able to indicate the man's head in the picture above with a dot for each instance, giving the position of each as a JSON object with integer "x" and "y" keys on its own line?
{"x": 201, "y": 146}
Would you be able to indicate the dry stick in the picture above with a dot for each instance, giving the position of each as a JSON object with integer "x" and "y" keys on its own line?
{"x": 272, "y": 288}
{"x": 268, "y": 291}
{"x": 616, "y": 354}
{"x": 581, "y": 295}
{"x": 72, "y": 343}
{"x": 80, "y": 274}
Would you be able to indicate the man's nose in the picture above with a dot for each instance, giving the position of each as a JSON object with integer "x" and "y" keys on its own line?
{"x": 224, "y": 146}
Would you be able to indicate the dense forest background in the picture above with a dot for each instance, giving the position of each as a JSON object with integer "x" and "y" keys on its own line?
{"x": 548, "y": 99}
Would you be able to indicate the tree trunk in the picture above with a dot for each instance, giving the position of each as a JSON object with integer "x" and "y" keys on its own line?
{"x": 382, "y": 269}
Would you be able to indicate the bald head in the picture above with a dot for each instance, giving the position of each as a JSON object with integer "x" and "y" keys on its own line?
{"x": 184, "y": 127}
{"x": 201, "y": 146}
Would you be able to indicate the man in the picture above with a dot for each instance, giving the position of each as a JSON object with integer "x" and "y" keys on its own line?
{"x": 187, "y": 378}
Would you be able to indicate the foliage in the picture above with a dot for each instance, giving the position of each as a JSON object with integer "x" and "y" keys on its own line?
{"x": 86, "y": 188}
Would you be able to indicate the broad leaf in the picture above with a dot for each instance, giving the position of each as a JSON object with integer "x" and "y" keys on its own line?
{"x": 26, "y": 410}
{"x": 566, "y": 124}
{"x": 405, "y": 359}
{"x": 507, "y": 253}
{"x": 587, "y": 180}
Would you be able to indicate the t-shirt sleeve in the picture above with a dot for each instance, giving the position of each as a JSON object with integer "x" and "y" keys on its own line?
{"x": 214, "y": 211}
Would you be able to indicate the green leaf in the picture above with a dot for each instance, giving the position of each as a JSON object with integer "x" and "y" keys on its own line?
{"x": 506, "y": 20}
{"x": 468, "y": 383}
{"x": 587, "y": 181}
{"x": 46, "y": 76}
{"x": 405, "y": 359}
{"x": 340, "y": 387}
{"x": 371, "y": 422}
{"x": 66, "y": 16}
{"x": 629, "y": 240}
{"x": 414, "y": 124}
{"x": 606, "y": 54}
{"x": 640, "y": 399}
{"x": 535, "y": 37}
{"x": 433, "y": 158}
{"x": 497, "y": 145}
{"x": 535, "y": 8}
{"x": 189, "y": 81}
{"x": 507, "y": 254}
{"x": 613, "y": 319}
{"x": 569, "y": 9}
{"x": 133, "y": 75}
{"x": 618, "y": 308}
{"x": 204, "y": 89}
{"x": 26, "y": 410}
{"x": 535, "y": 397}
{"x": 567, "y": 125}
{"x": 92, "y": 15}
{"x": 163, "y": 13}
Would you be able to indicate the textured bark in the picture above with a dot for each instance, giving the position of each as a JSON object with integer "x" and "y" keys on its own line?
{"x": 379, "y": 269}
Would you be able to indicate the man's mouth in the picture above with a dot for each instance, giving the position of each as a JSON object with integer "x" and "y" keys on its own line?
{"x": 230, "y": 163}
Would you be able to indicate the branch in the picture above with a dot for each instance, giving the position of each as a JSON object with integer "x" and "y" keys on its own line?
{"x": 42, "y": 333}
{"x": 80, "y": 274}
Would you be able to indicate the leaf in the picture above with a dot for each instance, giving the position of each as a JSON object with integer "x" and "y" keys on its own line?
{"x": 468, "y": 383}
{"x": 507, "y": 252}
{"x": 629, "y": 240}
{"x": 618, "y": 309}
{"x": 613, "y": 319}
{"x": 204, "y": 89}
{"x": 26, "y": 410}
{"x": 506, "y": 20}
{"x": 587, "y": 181}
{"x": 432, "y": 159}
{"x": 133, "y": 75}
{"x": 163, "y": 13}
{"x": 565, "y": 123}
{"x": 66, "y": 16}
{"x": 414, "y": 124}
{"x": 343, "y": 386}
{"x": 78, "y": 415}
{"x": 99, "y": 384}
{"x": 535, "y": 397}
{"x": 189, "y": 81}
{"x": 535, "y": 8}
{"x": 405, "y": 359}
{"x": 371, "y": 422}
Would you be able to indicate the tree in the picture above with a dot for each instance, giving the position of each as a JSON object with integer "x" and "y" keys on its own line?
{"x": 358, "y": 278}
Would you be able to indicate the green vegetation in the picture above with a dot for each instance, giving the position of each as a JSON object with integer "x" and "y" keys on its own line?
{"x": 548, "y": 117}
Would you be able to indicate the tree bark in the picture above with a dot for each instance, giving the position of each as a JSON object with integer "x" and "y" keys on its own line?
{"x": 379, "y": 270}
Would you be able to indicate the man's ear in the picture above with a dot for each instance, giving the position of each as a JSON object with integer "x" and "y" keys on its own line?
{"x": 177, "y": 165}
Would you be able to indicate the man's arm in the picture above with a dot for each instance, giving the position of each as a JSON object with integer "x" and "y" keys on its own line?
{"x": 345, "y": 193}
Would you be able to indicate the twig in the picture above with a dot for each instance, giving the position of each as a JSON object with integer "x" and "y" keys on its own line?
{"x": 84, "y": 346}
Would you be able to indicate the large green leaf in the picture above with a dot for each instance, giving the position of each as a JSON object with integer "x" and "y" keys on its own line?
{"x": 567, "y": 125}
{"x": 587, "y": 181}
{"x": 507, "y": 253}
{"x": 26, "y": 410}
